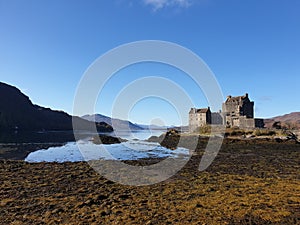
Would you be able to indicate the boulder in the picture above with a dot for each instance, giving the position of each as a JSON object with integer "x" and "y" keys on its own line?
{"x": 106, "y": 139}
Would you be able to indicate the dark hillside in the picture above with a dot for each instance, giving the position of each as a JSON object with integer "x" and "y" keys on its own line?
{"x": 18, "y": 112}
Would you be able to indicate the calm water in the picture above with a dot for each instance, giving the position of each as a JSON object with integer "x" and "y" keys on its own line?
{"x": 85, "y": 150}
{"x": 138, "y": 134}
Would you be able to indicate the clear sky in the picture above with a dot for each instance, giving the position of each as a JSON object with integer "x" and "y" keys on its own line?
{"x": 251, "y": 46}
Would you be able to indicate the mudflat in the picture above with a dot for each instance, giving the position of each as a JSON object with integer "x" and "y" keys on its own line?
{"x": 249, "y": 182}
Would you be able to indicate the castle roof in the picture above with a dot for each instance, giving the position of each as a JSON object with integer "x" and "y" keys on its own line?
{"x": 236, "y": 98}
{"x": 203, "y": 110}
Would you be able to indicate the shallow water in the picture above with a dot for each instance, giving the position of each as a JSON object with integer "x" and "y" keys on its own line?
{"x": 85, "y": 150}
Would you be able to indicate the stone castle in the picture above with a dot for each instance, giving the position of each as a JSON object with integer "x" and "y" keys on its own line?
{"x": 236, "y": 112}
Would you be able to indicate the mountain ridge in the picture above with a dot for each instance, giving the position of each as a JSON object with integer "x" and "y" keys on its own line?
{"x": 289, "y": 120}
{"x": 17, "y": 112}
{"x": 117, "y": 124}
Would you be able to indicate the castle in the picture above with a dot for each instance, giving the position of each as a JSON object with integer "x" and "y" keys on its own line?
{"x": 236, "y": 112}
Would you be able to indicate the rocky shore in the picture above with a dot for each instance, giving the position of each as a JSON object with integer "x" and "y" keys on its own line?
{"x": 249, "y": 182}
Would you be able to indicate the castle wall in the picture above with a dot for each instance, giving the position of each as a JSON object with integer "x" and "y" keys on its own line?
{"x": 231, "y": 108}
{"x": 216, "y": 118}
{"x": 259, "y": 123}
{"x": 192, "y": 122}
{"x": 198, "y": 119}
{"x": 247, "y": 109}
{"x": 246, "y": 123}
{"x": 236, "y": 112}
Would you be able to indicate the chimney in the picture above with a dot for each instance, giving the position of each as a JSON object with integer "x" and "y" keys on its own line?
{"x": 193, "y": 110}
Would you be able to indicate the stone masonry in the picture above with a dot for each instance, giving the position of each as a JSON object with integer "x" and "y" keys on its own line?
{"x": 236, "y": 112}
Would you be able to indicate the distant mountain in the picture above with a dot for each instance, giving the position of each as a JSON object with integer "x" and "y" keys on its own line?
{"x": 153, "y": 127}
{"x": 18, "y": 112}
{"x": 116, "y": 123}
{"x": 291, "y": 120}
{"x": 156, "y": 127}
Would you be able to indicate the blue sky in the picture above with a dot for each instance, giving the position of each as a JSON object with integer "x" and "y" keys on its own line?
{"x": 251, "y": 46}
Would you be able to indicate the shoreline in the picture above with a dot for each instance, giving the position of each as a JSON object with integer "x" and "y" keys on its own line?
{"x": 19, "y": 151}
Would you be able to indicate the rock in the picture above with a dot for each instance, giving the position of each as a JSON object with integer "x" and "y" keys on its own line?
{"x": 153, "y": 139}
{"x": 105, "y": 139}
{"x": 170, "y": 139}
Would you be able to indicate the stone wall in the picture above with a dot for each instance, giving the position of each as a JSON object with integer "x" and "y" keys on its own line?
{"x": 198, "y": 118}
{"x": 259, "y": 123}
{"x": 216, "y": 118}
{"x": 236, "y": 112}
{"x": 238, "y": 106}
{"x": 246, "y": 123}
